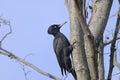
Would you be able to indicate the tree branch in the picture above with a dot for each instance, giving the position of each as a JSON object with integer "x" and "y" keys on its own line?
{"x": 100, "y": 14}
{"x": 80, "y": 17}
{"x": 90, "y": 44}
{"x": 24, "y": 70}
{"x": 11, "y": 55}
{"x": 6, "y": 23}
{"x": 115, "y": 62}
{"x": 109, "y": 42}
{"x": 113, "y": 49}
{"x": 101, "y": 71}
{"x": 78, "y": 53}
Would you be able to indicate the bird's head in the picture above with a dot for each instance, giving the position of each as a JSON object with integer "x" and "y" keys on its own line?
{"x": 55, "y": 28}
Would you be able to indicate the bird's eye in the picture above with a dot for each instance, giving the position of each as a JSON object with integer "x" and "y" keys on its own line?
{"x": 55, "y": 26}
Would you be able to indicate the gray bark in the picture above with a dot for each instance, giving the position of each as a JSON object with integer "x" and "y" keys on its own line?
{"x": 101, "y": 11}
{"x": 87, "y": 46}
{"x": 76, "y": 36}
{"x": 97, "y": 25}
{"x": 101, "y": 61}
{"x": 90, "y": 48}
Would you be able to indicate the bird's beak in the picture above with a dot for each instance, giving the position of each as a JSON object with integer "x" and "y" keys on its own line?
{"x": 60, "y": 25}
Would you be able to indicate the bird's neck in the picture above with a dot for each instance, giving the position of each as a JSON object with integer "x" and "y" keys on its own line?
{"x": 57, "y": 34}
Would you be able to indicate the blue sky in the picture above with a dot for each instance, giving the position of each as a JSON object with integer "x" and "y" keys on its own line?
{"x": 30, "y": 20}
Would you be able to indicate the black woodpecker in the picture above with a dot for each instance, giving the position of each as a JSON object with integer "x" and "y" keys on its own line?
{"x": 62, "y": 49}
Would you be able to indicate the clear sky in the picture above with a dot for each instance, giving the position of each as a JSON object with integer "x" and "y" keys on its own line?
{"x": 30, "y": 20}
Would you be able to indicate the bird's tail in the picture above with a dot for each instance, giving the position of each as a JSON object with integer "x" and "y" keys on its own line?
{"x": 72, "y": 71}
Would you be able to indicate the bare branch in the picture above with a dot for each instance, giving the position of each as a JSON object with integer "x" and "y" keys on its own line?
{"x": 100, "y": 57}
{"x": 81, "y": 19}
{"x": 109, "y": 42}
{"x": 116, "y": 74}
{"x": 11, "y": 55}
{"x": 24, "y": 70}
{"x": 100, "y": 14}
{"x": 3, "y": 21}
{"x": 115, "y": 62}
{"x": 113, "y": 15}
{"x": 113, "y": 49}
{"x": 6, "y": 23}
{"x": 84, "y": 9}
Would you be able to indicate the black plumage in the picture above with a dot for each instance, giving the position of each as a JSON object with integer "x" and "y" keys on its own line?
{"x": 62, "y": 49}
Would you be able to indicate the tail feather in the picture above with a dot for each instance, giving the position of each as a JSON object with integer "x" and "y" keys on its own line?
{"x": 73, "y": 73}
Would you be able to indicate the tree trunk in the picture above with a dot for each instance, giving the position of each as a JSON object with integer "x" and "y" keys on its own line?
{"x": 88, "y": 38}
{"x": 101, "y": 10}
{"x": 79, "y": 56}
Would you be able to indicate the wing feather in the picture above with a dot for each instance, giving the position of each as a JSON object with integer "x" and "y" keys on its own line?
{"x": 59, "y": 44}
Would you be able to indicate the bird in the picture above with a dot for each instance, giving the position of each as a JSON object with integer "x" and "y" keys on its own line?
{"x": 62, "y": 49}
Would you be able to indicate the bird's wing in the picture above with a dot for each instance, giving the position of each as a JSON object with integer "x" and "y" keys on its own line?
{"x": 58, "y": 48}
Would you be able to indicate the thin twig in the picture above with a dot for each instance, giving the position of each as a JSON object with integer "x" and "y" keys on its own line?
{"x": 109, "y": 42}
{"x": 24, "y": 70}
{"x": 114, "y": 75}
{"x": 115, "y": 62}
{"x": 6, "y": 23}
{"x": 27, "y": 56}
{"x": 113, "y": 49}
{"x": 11, "y": 55}
{"x": 113, "y": 15}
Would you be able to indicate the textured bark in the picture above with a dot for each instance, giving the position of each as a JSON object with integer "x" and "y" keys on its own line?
{"x": 91, "y": 57}
{"x": 90, "y": 44}
{"x": 113, "y": 48}
{"x": 79, "y": 57}
{"x": 101, "y": 61}
{"x": 101, "y": 11}
{"x": 97, "y": 25}
{"x": 116, "y": 62}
